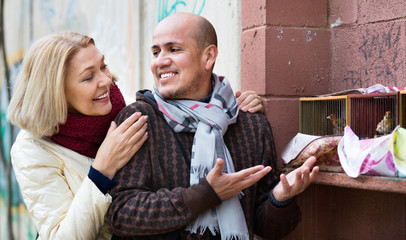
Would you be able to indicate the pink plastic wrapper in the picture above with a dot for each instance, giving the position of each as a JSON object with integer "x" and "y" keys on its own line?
{"x": 368, "y": 156}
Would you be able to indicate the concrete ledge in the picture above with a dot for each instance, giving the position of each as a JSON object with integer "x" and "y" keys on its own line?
{"x": 373, "y": 183}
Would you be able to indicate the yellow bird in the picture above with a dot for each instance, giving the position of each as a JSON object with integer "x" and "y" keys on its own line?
{"x": 338, "y": 124}
{"x": 385, "y": 125}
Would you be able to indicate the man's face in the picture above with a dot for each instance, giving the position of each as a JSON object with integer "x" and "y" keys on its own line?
{"x": 177, "y": 65}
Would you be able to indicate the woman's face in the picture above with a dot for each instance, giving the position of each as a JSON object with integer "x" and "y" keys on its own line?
{"x": 87, "y": 83}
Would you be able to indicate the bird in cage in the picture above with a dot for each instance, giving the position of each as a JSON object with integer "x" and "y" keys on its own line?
{"x": 338, "y": 124}
{"x": 385, "y": 125}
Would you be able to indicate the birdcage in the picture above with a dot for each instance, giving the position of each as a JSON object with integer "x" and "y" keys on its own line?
{"x": 323, "y": 115}
{"x": 402, "y": 108}
{"x": 373, "y": 115}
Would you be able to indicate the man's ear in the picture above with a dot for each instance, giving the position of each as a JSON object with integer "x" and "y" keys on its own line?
{"x": 210, "y": 56}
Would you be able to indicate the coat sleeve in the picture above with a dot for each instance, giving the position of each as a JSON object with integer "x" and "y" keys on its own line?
{"x": 143, "y": 202}
{"x": 57, "y": 212}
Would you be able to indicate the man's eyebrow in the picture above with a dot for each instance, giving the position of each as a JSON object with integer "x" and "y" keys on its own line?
{"x": 165, "y": 45}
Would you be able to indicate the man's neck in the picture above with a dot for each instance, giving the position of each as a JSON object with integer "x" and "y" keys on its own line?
{"x": 207, "y": 98}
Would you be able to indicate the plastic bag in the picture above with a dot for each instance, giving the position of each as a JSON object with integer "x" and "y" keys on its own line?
{"x": 398, "y": 149}
{"x": 368, "y": 156}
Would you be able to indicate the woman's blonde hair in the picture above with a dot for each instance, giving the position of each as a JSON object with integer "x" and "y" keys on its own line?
{"x": 38, "y": 103}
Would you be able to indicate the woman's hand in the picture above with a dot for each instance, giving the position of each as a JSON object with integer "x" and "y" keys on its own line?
{"x": 249, "y": 101}
{"x": 120, "y": 144}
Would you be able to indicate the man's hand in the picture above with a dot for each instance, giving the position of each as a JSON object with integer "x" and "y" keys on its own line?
{"x": 227, "y": 185}
{"x": 249, "y": 101}
{"x": 296, "y": 181}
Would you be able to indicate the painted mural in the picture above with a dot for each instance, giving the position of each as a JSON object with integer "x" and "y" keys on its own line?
{"x": 166, "y": 7}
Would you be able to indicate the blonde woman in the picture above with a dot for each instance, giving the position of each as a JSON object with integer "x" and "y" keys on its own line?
{"x": 69, "y": 149}
{"x": 65, "y": 100}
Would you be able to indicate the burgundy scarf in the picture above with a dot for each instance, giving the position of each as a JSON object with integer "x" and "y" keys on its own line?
{"x": 84, "y": 134}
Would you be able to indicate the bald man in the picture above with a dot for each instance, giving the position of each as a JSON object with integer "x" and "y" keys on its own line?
{"x": 207, "y": 170}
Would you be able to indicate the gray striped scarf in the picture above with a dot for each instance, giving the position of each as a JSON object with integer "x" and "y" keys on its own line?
{"x": 209, "y": 121}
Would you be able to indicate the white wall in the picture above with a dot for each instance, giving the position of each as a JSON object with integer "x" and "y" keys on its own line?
{"x": 123, "y": 30}
{"x": 225, "y": 15}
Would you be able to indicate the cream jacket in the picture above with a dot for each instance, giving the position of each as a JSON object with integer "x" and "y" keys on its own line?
{"x": 63, "y": 202}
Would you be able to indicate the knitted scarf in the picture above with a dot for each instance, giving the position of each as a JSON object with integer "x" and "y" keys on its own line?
{"x": 84, "y": 134}
{"x": 209, "y": 121}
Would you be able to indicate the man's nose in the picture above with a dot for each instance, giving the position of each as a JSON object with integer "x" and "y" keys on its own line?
{"x": 162, "y": 60}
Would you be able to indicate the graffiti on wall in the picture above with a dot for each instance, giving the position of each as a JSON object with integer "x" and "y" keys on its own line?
{"x": 167, "y": 7}
{"x": 15, "y": 222}
{"x": 56, "y": 20}
{"x": 383, "y": 60}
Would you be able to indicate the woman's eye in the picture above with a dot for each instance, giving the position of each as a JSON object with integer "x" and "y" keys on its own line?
{"x": 104, "y": 66}
{"x": 88, "y": 78}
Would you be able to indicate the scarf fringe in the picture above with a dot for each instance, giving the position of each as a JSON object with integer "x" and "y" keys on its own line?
{"x": 215, "y": 229}
{"x": 238, "y": 236}
{"x": 200, "y": 171}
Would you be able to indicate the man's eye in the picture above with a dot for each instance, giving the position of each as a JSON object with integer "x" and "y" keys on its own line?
{"x": 174, "y": 49}
{"x": 155, "y": 53}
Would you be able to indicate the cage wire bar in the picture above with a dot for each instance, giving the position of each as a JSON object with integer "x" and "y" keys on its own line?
{"x": 366, "y": 111}
{"x": 323, "y": 115}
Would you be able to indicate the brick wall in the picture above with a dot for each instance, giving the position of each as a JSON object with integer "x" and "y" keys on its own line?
{"x": 291, "y": 49}
{"x": 285, "y": 54}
